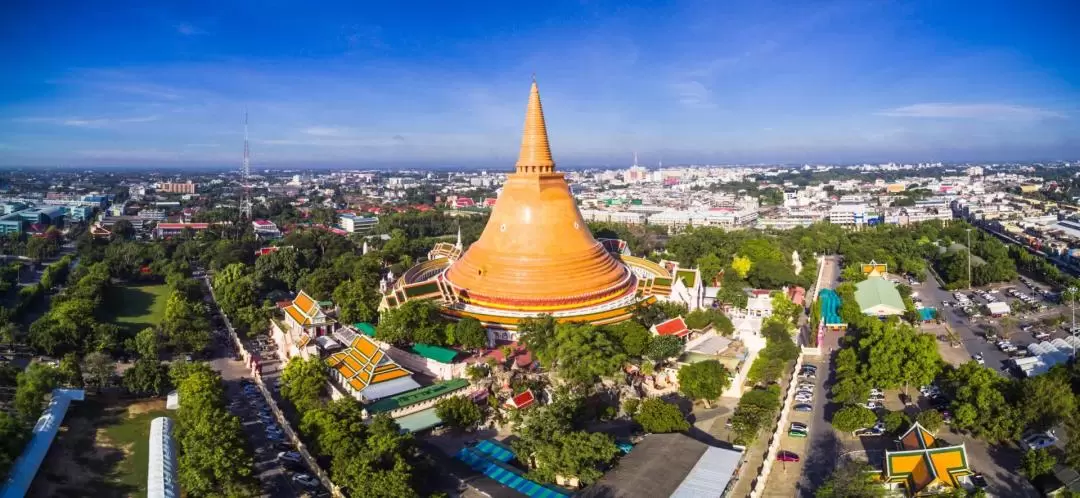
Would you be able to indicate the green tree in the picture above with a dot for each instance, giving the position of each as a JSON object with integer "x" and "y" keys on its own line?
{"x": 470, "y": 333}
{"x": 147, "y": 343}
{"x": 663, "y": 347}
{"x": 320, "y": 283}
{"x": 303, "y": 382}
{"x": 852, "y": 418}
{"x": 756, "y": 409}
{"x": 415, "y": 321}
{"x": 895, "y": 421}
{"x": 704, "y": 380}
{"x": 13, "y": 437}
{"x": 100, "y": 369}
{"x": 582, "y": 354}
{"x": 33, "y": 384}
{"x": 631, "y": 335}
{"x": 538, "y": 335}
{"x": 658, "y": 416}
{"x": 214, "y": 459}
{"x": 931, "y": 420}
{"x": 1043, "y": 400}
{"x": 147, "y": 377}
{"x": 356, "y": 301}
{"x": 459, "y": 412}
{"x": 185, "y": 324}
{"x": 70, "y": 372}
{"x": 1037, "y": 463}
{"x": 851, "y": 479}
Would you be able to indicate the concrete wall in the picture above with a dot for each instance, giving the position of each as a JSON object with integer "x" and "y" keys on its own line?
{"x": 758, "y": 487}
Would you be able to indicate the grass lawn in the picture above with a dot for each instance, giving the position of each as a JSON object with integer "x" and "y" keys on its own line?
{"x": 102, "y": 450}
{"x": 136, "y": 307}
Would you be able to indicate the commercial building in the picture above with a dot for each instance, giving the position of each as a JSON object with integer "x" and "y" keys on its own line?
{"x": 165, "y": 230}
{"x": 176, "y": 188}
{"x": 265, "y": 229}
{"x": 357, "y": 224}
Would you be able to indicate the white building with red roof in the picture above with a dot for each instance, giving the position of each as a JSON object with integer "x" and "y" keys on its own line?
{"x": 673, "y": 327}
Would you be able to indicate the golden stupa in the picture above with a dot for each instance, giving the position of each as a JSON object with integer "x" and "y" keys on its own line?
{"x": 536, "y": 255}
{"x": 536, "y": 251}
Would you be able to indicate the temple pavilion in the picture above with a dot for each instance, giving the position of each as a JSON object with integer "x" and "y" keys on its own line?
{"x": 536, "y": 255}
{"x": 922, "y": 465}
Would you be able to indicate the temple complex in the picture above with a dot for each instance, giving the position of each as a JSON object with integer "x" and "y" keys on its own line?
{"x": 536, "y": 255}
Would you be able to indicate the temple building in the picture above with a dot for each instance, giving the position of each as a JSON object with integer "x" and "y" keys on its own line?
{"x": 923, "y": 466}
{"x": 536, "y": 255}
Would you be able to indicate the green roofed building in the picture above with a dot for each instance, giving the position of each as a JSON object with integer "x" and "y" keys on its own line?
{"x": 878, "y": 297}
{"x": 407, "y": 402}
{"x": 365, "y": 328}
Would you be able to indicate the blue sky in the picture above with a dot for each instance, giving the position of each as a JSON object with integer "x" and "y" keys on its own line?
{"x": 445, "y": 83}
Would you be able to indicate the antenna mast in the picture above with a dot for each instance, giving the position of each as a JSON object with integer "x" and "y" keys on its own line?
{"x": 245, "y": 172}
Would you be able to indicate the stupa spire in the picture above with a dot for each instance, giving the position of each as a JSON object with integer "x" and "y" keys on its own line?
{"x": 535, "y": 155}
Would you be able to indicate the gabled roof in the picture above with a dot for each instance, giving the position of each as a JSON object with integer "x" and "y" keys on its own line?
{"x": 920, "y": 462}
{"x": 363, "y": 364}
{"x": 876, "y": 291}
{"x": 675, "y": 326}
{"x": 522, "y": 400}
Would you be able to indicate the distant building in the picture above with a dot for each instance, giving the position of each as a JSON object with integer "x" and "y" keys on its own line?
{"x": 176, "y": 188}
{"x": 352, "y": 223}
{"x": 153, "y": 214}
{"x": 848, "y": 214}
{"x": 265, "y": 229}
{"x": 166, "y": 230}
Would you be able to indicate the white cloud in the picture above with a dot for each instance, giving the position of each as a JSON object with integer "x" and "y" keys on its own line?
{"x": 189, "y": 29}
{"x": 971, "y": 111}
{"x": 327, "y": 131}
{"x": 87, "y": 122}
{"x": 693, "y": 94}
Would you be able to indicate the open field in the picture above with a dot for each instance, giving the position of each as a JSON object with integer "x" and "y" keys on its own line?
{"x": 135, "y": 307}
{"x": 101, "y": 450}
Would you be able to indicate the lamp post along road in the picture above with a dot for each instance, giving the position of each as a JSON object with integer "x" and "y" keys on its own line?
{"x": 1072, "y": 307}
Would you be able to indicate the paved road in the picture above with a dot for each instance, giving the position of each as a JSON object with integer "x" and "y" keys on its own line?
{"x": 273, "y": 477}
{"x": 823, "y": 445}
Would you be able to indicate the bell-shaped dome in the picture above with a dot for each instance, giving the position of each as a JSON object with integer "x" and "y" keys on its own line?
{"x": 536, "y": 253}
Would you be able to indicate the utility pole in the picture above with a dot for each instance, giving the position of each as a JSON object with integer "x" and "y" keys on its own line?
{"x": 1072, "y": 306}
{"x": 969, "y": 257}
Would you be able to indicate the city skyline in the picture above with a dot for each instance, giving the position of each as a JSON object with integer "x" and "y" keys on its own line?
{"x": 436, "y": 86}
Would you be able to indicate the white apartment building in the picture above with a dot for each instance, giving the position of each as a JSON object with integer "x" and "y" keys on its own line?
{"x": 352, "y": 223}
{"x": 848, "y": 214}
{"x": 728, "y": 218}
{"x": 602, "y": 215}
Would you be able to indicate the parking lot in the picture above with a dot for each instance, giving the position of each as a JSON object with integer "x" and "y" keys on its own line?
{"x": 980, "y": 334}
{"x": 279, "y": 471}
{"x": 805, "y": 422}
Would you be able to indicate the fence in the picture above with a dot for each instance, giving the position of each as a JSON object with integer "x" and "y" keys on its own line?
{"x": 758, "y": 486}
{"x": 313, "y": 464}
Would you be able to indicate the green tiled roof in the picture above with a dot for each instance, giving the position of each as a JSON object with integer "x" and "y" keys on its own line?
{"x": 439, "y": 354}
{"x": 365, "y": 328}
{"x": 876, "y": 291}
{"x": 416, "y": 396}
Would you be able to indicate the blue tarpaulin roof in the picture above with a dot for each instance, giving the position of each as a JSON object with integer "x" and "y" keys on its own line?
{"x": 927, "y": 314}
{"x": 830, "y": 307}
{"x": 507, "y": 475}
{"x": 26, "y": 466}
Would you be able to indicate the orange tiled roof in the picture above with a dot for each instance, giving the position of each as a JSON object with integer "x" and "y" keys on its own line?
{"x": 304, "y": 303}
{"x": 297, "y": 316}
{"x": 363, "y": 364}
{"x": 304, "y": 340}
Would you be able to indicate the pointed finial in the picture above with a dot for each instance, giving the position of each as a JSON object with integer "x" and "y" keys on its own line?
{"x": 535, "y": 155}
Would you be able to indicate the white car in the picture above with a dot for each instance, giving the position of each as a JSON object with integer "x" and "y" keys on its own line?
{"x": 305, "y": 481}
{"x": 876, "y": 391}
{"x": 873, "y": 405}
{"x": 802, "y": 398}
{"x": 979, "y": 359}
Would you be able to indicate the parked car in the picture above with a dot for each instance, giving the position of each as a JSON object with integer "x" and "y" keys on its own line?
{"x": 795, "y": 433}
{"x": 787, "y": 456}
{"x": 979, "y": 359}
{"x": 803, "y": 398}
{"x": 803, "y": 407}
{"x": 1038, "y": 441}
{"x": 290, "y": 456}
{"x": 798, "y": 426}
{"x": 308, "y": 481}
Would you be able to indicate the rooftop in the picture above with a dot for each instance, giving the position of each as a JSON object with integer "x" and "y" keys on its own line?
{"x": 668, "y": 465}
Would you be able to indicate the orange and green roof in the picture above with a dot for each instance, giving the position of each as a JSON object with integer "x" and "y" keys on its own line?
{"x": 415, "y": 396}
{"x": 363, "y": 364}
{"x": 921, "y": 463}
